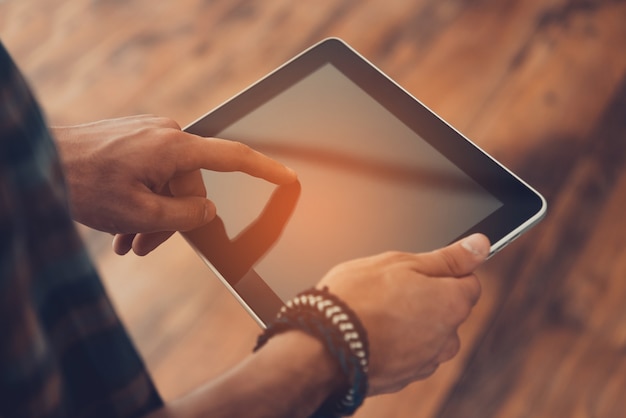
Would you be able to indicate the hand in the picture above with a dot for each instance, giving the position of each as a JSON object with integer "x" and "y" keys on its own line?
{"x": 411, "y": 306}
{"x": 139, "y": 177}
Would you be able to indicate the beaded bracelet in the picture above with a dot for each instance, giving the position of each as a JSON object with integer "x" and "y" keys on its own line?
{"x": 324, "y": 316}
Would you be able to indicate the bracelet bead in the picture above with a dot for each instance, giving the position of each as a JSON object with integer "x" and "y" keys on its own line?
{"x": 324, "y": 316}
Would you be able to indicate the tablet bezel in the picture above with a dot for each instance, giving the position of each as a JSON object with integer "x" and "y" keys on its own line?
{"x": 522, "y": 205}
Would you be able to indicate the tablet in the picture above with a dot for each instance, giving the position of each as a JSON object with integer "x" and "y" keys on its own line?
{"x": 377, "y": 171}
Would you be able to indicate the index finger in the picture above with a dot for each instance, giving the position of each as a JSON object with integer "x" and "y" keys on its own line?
{"x": 225, "y": 155}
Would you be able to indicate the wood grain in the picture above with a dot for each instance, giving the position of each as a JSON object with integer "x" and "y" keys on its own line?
{"x": 541, "y": 85}
{"x": 564, "y": 356}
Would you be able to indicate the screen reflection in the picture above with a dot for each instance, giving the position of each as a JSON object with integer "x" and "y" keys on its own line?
{"x": 234, "y": 257}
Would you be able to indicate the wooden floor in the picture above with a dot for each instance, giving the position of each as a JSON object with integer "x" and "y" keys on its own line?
{"x": 540, "y": 84}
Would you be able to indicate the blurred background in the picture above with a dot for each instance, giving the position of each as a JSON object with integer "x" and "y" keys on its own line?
{"x": 539, "y": 84}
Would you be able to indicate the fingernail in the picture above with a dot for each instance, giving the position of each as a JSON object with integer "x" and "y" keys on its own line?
{"x": 292, "y": 172}
{"x": 293, "y": 176}
{"x": 476, "y": 244}
{"x": 209, "y": 211}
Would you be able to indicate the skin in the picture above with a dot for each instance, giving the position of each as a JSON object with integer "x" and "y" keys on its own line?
{"x": 411, "y": 306}
{"x": 138, "y": 178}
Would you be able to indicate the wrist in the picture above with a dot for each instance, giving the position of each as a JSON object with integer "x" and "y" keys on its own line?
{"x": 289, "y": 377}
{"x": 327, "y": 318}
{"x": 305, "y": 365}
{"x": 62, "y": 136}
{"x": 71, "y": 155}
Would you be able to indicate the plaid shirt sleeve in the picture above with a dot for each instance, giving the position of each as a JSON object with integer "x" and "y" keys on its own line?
{"x": 63, "y": 350}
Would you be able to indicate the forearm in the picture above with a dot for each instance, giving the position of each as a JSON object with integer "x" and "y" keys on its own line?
{"x": 289, "y": 377}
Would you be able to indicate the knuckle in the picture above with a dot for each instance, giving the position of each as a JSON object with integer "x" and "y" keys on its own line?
{"x": 167, "y": 123}
{"x": 427, "y": 370}
{"x": 474, "y": 289}
{"x": 243, "y": 151}
{"x": 452, "y": 348}
{"x": 393, "y": 255}
{"x": 466, "y": 294}
{"x": 171, "y": 138}
{"x": 460, "y": 311}
{"x": 457, "y": 309}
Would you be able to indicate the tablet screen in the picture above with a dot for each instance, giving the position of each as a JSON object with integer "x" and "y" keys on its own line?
{"x": 368, "y": 183}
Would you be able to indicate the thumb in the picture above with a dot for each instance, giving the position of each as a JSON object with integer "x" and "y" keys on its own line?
{"x": 178, "y": 213}
{"x": 458, "y": 259}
